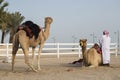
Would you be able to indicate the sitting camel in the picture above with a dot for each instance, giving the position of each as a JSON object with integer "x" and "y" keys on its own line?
{"x": 91, "y": 57}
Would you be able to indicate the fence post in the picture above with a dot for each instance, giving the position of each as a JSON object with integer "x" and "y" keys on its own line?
{"x": 58, "y": 52}
{"x": 116, "y": 50}
{"x": 7, "y": 45}
{"x": 79, "y": 51}
{"x": 7, "y": 59}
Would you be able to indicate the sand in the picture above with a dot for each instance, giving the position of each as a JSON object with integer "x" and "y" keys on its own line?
{"x": 60, "y": 69}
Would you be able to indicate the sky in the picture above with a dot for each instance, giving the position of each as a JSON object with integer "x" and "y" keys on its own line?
{"x": 72, "y": 19}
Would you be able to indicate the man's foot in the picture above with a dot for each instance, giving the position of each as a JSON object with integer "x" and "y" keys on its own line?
{"x": 107, "y": 65}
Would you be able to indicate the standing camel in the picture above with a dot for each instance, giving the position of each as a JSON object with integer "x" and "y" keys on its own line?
{"x": 25, "y": 42}
{"x": 91, "y": 57}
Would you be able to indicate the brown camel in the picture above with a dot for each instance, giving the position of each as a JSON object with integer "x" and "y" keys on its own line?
{"x": 25, "y": 42}
{"x": 91, "y": 57}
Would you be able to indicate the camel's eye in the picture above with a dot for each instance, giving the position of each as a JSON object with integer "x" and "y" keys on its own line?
{"x": 81, "y": 43}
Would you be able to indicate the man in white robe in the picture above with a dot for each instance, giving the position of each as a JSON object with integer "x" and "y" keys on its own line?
{"x": 105, "y": 45}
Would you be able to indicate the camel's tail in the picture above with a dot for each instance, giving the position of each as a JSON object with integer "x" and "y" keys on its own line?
{"x": 15, "y": 44}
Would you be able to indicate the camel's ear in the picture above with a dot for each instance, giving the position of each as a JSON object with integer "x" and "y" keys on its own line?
{"x": 85, "y": 39}
{"x": 79, "y": 40}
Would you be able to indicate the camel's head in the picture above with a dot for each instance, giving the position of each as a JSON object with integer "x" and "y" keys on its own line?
{"x": 48, "y": 20}
{"x": 83, "y": 42}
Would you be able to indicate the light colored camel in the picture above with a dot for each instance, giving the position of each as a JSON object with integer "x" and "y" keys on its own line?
{"x": 91, "y": 57}
{"x": 25, "y": 42}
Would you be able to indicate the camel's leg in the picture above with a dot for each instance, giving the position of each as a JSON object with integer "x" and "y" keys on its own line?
{"x": 27, "y": 60}
{"x": 33, "y": 55}
{"x": 84, "y": 63}
{"x": 14, "y": 50}
{"x": 13, "y": 57}
{"x": 39, "y": 52}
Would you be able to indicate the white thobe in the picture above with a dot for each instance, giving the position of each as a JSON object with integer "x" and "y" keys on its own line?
{"x": 105, "y": 44}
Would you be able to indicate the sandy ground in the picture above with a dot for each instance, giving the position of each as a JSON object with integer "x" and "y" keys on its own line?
{"x": 60, "y": 69}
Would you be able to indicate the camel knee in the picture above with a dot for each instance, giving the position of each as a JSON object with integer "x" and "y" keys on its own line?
{"x": 26, "y": 58}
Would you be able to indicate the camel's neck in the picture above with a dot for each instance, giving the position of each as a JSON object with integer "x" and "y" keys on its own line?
{"x": 83, "y": 50}
{"x": 47, "y": 30}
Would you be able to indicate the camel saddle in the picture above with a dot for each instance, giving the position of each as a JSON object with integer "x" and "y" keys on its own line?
{"x": 29, "y": 32}
{"x": 98, "y": 48}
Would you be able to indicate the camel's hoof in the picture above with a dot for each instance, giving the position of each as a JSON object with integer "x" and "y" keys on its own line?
{"x": 92, "y": 66}
{"x": 13, "y": 71}
{"x": 39, "y": 69}
{"x": 35, "y": 70}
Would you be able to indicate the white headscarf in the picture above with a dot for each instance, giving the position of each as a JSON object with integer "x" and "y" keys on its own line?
{"x": 105, "y": 32}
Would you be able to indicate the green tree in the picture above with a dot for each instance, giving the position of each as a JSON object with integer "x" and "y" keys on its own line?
{"x": 9, "y": 22}
{"x": 3, "y": 17}
{"x": 14, "y": 21}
